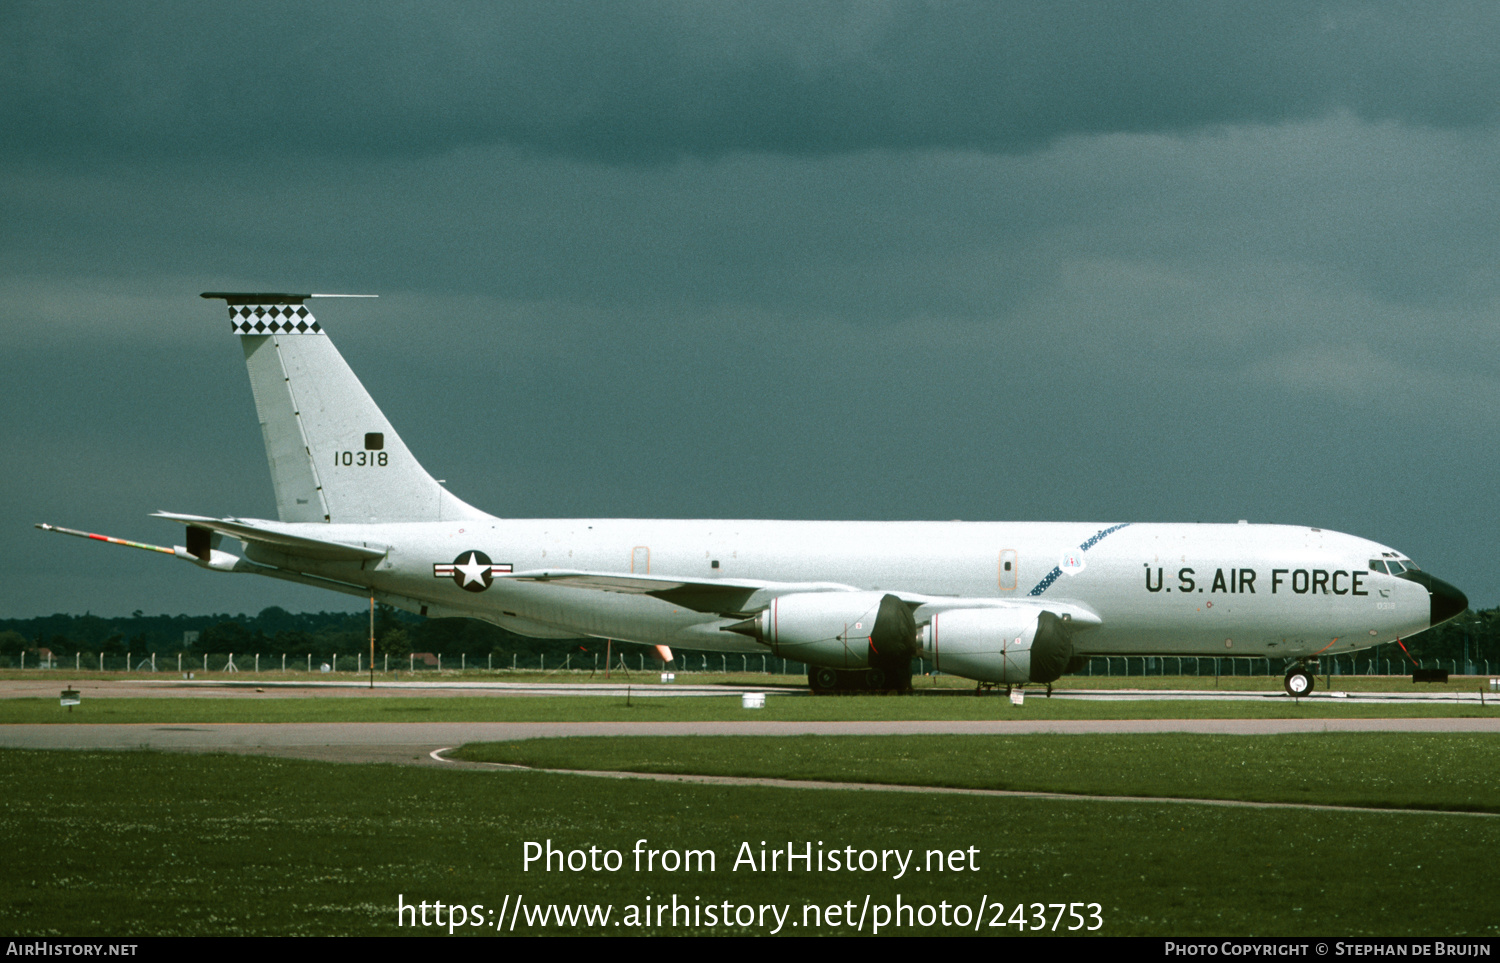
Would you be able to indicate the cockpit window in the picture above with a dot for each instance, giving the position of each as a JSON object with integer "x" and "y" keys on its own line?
{"x": 1396, "y": 567}
{"x": 1376, "y": 565}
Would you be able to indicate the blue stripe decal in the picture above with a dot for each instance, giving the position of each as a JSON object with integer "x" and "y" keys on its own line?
{"x": 1045, "y": 583}
{"x": 1089, "y": 543}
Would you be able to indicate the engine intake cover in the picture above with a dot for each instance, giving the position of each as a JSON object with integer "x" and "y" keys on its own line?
{"x": 844, "y": 630}
{"x": 998, "y": 645}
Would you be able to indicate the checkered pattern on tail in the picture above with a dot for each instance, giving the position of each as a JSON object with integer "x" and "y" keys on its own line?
{"x": 272, "y": 319}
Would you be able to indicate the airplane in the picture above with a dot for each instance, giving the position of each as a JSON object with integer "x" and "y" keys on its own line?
{"x": 997, "y": 602}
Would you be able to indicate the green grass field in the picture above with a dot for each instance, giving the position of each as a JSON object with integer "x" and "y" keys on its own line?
{"x": 137, "y": 843}
{"x": 122, "y": 844}
{"x": 1386, "y": 770}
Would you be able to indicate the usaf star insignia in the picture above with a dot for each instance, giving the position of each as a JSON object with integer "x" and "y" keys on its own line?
{"x": 471, "y": 571}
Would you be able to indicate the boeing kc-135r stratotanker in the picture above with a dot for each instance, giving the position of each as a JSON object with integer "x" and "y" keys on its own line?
{"x": 998, "y": 602}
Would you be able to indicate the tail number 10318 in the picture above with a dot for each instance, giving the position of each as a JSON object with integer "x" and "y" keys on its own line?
{"x": 360, "y": 458}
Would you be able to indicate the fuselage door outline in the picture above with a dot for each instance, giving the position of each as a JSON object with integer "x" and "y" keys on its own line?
{"x": 1008, "y": 567}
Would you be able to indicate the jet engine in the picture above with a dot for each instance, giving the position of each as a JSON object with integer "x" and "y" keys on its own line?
{"x": 842, "y": 630}
{"x": 998, "y": 645}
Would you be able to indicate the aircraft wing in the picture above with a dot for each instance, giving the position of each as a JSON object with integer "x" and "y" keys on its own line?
{"x": 737, "y": 598}
{"x": 727, "y": 596}
{"x": 271, "y": 535}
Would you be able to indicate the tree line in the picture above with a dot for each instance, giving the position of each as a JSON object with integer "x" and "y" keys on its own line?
{"x": 276, "y": 630}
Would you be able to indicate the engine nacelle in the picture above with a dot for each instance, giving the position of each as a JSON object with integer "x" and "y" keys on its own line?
{"x": 998, "y": 645}
{"x": 844, "y": 630}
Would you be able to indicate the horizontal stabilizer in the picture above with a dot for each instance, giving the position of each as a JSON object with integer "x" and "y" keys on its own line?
{"x": 273, "y": 536}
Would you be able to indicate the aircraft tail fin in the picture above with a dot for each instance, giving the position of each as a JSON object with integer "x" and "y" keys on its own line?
{"x": 334, "y": 457}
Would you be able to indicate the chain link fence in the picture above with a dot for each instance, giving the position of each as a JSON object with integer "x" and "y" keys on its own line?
{"x": 706, "y": 662}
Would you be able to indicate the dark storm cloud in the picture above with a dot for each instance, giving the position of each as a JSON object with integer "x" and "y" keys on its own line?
{"x": 1144, "y": 261}
{"x": 647, "y": 81}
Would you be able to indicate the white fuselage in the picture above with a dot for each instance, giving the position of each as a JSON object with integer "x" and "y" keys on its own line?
{"x": 1158, "y": 589}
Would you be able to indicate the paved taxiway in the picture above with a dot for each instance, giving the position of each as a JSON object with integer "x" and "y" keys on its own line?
{"x": 421, "y": 743}
{"x": 410, "y": 742}
{"x": 232, "y": 735}
{"x": 1464, "y": 691}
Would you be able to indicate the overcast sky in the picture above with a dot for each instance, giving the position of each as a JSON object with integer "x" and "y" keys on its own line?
{"x": 1100, "y": 262}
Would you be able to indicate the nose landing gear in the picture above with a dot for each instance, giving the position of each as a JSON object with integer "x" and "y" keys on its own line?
{"x": 1299, "y": 680}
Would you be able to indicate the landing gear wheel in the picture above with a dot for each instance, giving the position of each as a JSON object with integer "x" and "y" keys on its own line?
{"x": 1299, "y": 683}
{"x": 822, "y": 679}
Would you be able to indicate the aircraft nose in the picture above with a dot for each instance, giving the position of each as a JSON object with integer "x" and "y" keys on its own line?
{"x": 1447, "y": 601}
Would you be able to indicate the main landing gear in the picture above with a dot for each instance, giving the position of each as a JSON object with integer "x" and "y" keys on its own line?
{"x": 1299, "y": 679}
{"x": 824, "y": 680}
